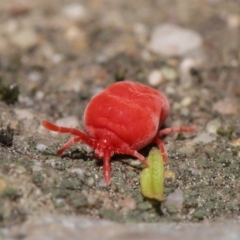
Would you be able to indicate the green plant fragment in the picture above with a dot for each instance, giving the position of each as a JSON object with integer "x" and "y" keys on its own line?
{"x": 152, "y": 177}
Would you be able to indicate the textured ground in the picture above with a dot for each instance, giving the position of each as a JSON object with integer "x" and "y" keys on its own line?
{"x": 58, "y": 54}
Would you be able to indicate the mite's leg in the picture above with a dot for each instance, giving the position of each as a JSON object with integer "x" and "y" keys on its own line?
{"x": 106, "y": 169}
{"x": 167, "y": 131}
{"x": 81, "y": 135}
{"x": 55, "y": 128}
{"x": 68, "y": 144}
{"x": 133, "y": 153}
{"x": 160, "y": 144}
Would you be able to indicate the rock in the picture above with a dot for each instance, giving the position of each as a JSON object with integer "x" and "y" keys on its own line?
{"x": 169, "y": 73}
{"x": 41, "y": 147}
{"x": 171, "y": 40}
{"x": 235, "y": 142}
{"x": 188, "y": 149}
{"x": 185, "y": 111}
{"x": 25, "y": 38}
{"x": 78, "y": 171}
{"x": 185, "y": 69}
{"x": 34, "y": 76}
{"x": 23, "y": 114}
{"x": 233, "y": 21}
{"x": 75, "y": 11}
{"x": 155, "y": 78}
{"x": 128, "y": 203}
{"x": 205, "y": 138}
{"x": 213, "y": 125}
{"x": 185, "y": 102}
{"x": 175, "y": 199}
{"x": 226, "y": 106}
{"x": 70, "y": 121}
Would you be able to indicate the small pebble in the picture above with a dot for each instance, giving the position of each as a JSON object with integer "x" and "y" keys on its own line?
{"x": 185, "y": 111}
{"x": 235, "y": 142}
{"x": 102, "y": 183}
{"x": 186, "y": 149}
{"x": 78, "y": 171}
{"x": 39, "y": 95}
{"x": 233, "y": 21}
{"x": 175, "y": 199}
{"x": 25, "y": 38}
{"x": 91, "y": 200}
{"x": 213, "y": 125}
{"x": 90, "y": 181}
{"x": 70, "y": 121}
{"x": 96, "y": 90}
{"x": 144, "y": 206}
{"x": 37, "y": 168}
{"x": 23, "y": 114}
{"x": 141, "y": 32}
{"x": 34, "y": 76}
{"x": 195, "y": 171}
{"x": 75, "y": 11}
{"x": 41, "y": 147}
{"x": 169, "y": 73}
{"x": 171, "y": 40}
{"x": 226, "y": 106}
{"x": 185, "y": 68}
{"x": 170, "y": 90}
{"x": 51, "y": 162}
{"x": 155, "y": 78}
{"x": 186, "y": 101}
{"x": 133, "y": 163}
{"x": 169, "y": 174}
{"x": 128, "y": 203}
{"x": 205, "y": 138}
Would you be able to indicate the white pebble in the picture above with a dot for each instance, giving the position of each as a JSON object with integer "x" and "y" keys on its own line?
{"x": 186, "y": 101}
{"x": 188, "y": 149}
{"x": 185, "y": 111}
{"x": 41, "y": 147}
{"x": 36, "y": 168}
{"x": 205, "y": 138}
{"x": 226, "y": 106}
{"x": 176, "y": 199}
{"x": 34, "y": 76}
{"x": 233, "y": 21}
{"x": 169, "y": 73}
{"x": 102, "y": 183}
{"x": 155, "y": 78}
{"x": 75, "y": 11}
{"x": 25, "y": 38}
{"x": 185, "y": 68}
{"x": 23, "y": 114}
{"x": 70, "y": 121}
{"x": 213, "y": 125}
{"x": 171, "y": 40}
{"x": 39, "y": 95}
{"x": 78, "y": 171}
{"x": 187, "y": 65}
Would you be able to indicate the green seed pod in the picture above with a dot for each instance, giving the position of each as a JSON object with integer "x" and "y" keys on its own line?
{"x": 152, "y": 178}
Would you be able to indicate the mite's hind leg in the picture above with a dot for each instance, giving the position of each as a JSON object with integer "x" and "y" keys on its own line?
{"x": 68, "y": 144}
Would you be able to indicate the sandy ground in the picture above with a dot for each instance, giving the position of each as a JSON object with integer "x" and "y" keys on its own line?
{"x": 59, "y": 54}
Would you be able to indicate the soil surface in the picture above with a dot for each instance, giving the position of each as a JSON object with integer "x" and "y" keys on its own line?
{"x": 55, "y": 55}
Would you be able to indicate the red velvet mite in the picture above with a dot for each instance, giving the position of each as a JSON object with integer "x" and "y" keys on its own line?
{"x": 122, "y": 119}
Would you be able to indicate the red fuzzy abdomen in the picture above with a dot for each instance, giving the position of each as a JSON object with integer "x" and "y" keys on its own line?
{"x": 127, "y": 114}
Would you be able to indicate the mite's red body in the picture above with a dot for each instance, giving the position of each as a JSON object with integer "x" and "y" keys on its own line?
{"x": 122, "y": 119}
